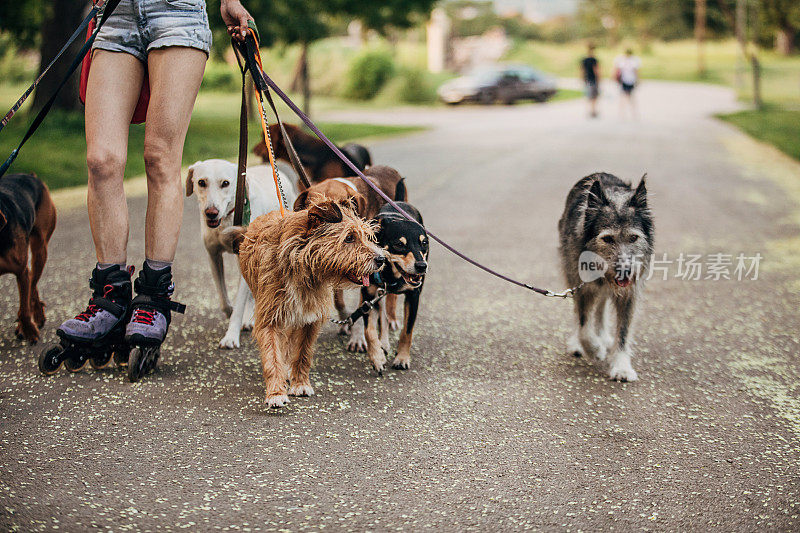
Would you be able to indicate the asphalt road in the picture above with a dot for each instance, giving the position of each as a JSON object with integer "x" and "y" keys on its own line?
{"x": 494, "y": 427}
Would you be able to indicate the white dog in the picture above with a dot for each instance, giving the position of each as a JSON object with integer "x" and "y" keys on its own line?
{"x": 214, "y": 181}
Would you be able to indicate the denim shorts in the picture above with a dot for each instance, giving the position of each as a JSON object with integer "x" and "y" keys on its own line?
{"x": 138, "y": 26}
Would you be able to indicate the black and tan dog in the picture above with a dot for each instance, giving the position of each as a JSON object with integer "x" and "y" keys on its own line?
{"x": 320, "y": 162}
{"x": 354, "y": 193}
{"x": 27, "y": 220}
{"x": 404, "y": 273}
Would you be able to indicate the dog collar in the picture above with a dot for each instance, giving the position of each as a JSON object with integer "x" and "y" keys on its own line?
{"x": 346, "y": 182}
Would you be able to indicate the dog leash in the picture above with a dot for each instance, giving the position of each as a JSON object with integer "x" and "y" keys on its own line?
{"x": 109, "y": 7}
{"x": 265, "y": 79}
{"x": 248, "y": 57}
{"x": 362, "y": 310}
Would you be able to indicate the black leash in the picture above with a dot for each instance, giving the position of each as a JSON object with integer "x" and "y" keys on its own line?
{"x": 362, "y": 310}
{"x": 544, "y": 292}
{"x": 109, "y": 8}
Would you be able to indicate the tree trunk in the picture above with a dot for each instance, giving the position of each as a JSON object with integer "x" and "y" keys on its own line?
{"x": 62, "y": 19}
{"x": 700, "y": 35}
{"x": 305, "y": 84}
{"x": 784, "y": 40}
{"x": 757, "y": 102}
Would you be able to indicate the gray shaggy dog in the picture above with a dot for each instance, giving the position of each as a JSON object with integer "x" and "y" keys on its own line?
{"x": 606, "y": 236}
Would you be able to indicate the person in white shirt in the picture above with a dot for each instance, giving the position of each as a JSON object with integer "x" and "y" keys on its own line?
{"x": 627, "y": 74}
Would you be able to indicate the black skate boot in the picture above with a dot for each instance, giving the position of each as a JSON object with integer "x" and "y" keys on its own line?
{"x": 96, "y": 334}
{"x": 150, "y": 318}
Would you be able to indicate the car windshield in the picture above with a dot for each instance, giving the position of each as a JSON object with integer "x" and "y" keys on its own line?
{"x": 485, "y": 75}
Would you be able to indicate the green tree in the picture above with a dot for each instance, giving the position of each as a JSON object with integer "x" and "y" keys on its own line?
{"x": 47, "y": 24}
{"x": 782, "y": 19}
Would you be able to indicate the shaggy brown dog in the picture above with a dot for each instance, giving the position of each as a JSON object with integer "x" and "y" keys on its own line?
{"x": 355, "y": 193}
{"x": 27, "y": 220}
{"x": 292, "y": 265}
{"x": 320, "y": 162}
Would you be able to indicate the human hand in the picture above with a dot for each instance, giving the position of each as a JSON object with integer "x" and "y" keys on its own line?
{"x": 236, "y": 18}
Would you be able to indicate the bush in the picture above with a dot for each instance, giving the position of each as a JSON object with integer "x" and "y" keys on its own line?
{"x": 410, "y": 86}
{"x": 368, "y": 73}
{"x": 15, "y": 66}
{"x": 220, "y": 76}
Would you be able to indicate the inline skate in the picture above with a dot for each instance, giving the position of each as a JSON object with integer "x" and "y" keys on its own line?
{"x": 96, "y": 335}
{"x": 150, "y": 319}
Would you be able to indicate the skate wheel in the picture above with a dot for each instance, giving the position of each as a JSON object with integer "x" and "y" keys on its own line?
{"x": 141, "y": 360}
{"x": 50, "y": 359}
{"x": 76, "y": 361}
{"x": 121, "y": 355}
{"x": 100, "y": 359}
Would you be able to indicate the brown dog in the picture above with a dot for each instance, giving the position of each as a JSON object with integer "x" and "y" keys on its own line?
{"x": 27, "y": 220}
{"x": 292, "y": 265}
{"x": 355, "y": 193}
{"x": 319, "y": 161}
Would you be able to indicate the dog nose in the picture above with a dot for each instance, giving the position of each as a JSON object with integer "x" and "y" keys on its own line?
{"x": 380, "y": 260}
{"x": 212, "y": 212}
{"x": 421, "y": 266}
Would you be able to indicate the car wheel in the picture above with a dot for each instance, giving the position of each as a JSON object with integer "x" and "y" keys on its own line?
{"x": 487, "y": 98}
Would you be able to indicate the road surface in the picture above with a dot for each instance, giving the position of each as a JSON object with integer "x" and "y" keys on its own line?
{"x": 494, "y": 427}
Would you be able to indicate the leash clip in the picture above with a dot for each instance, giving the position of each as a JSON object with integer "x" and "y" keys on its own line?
{"x": 569, "y": 293}
{"x": 362, "y": 310}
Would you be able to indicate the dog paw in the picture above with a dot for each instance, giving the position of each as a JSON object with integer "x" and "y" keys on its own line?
{"x": 601, "y": 353}
{"x": 277, "y": 401}
{"x": 229, "y": 342}
{"x": 301, "y": 390}
{"x": 27, "y": 331}
{"x": 394, "y": 324}
{"x": 622, "y": 371}
{"x": 378, "y": 362}
{"x": 401, "y": 362}
{"x": 357, "y": 344}
{"x": 574, "y": 347}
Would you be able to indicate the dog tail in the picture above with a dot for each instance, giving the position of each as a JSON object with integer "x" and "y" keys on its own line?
{"x": 400, "y": 193}
{"x": 232, "y": 237}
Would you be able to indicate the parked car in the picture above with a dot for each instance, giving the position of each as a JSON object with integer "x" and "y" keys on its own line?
{"x": 499, "y": 83}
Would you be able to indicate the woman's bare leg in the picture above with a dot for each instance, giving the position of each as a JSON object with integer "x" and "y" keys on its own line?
{"x": 175, "y": 76}
{"x": 111, "y": 95}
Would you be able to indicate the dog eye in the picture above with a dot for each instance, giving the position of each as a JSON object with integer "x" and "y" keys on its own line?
{"x": 224, "y": 184}
{"x": 350, "y": 238}
{"x": 608, "y": 238}
{"x": 201, "y": 183}
{"x": 633, "y": 238}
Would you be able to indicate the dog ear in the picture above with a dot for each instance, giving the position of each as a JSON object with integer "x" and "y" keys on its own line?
{"x": 359, "y": 203}
{"x": 3, "y": 220}
{"x": 639, "y": 198}
{"x": 261, "y": 151}
{"x": 301, "y": 202}
{"x": 231, "y": 238}
{"x": 190, "y": 181}
{"x": 323, "y": 212}
{"x": 597, "y": 198}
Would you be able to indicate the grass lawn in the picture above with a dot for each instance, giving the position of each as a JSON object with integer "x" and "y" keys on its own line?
{"x": 779, "y": 127}
{"x": 57, "y": 151}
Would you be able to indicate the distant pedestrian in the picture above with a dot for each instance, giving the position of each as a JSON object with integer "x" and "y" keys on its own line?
{"x": 590, "y": 68}
{"x": 626, "y": 69}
